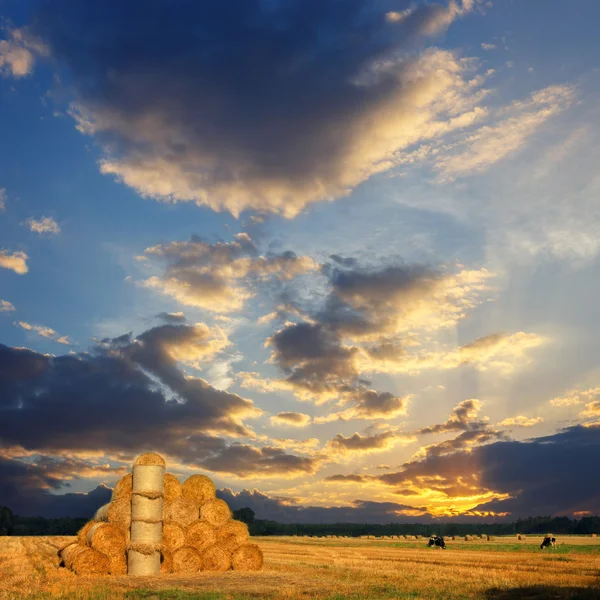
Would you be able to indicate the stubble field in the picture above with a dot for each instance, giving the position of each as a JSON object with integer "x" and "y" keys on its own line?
{"x": 332, "y": 569}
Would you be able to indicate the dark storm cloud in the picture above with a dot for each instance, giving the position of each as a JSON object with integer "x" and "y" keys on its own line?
{"x": 246, "y": 103}
{"x": 547, "y": 475}
{"x": 123, "y": 395}
{"x": 285, "y": 510}
{"x": 346, "y": 479}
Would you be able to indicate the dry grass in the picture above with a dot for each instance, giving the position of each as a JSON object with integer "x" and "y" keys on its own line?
{"x": 332, "y": 569}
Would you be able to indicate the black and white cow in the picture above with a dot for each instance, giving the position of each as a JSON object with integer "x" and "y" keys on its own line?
{"x": 436, "y": 542}
{"x": 549, "y": 542}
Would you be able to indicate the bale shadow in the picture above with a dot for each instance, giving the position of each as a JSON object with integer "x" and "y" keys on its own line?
{"x": 543, "y": 592}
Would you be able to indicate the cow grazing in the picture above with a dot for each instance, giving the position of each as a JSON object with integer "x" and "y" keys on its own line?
{"x": 436, "y": 542}
{"x": 549, "y": 542}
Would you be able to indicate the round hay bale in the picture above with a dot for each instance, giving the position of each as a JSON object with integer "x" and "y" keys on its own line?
{"x": 151, "y": 459}
{"x": 102, "y": 513}
{"x": 172, "y": 487}
{"x": 467, "y": 538}
{"x": 173, "y": 536}
{"x": 215, "y": 558}
{"x": 88, "y": 561}
{"x": 123, "y": 487}
{"x": 143, "y": 564}
{"x": 166, "y": 561}
{"x": 215, "y": 512}
{"x": 118, "y": 564}
{"x": 83, "y": 532}
{"x": 183, "y": 511}
{"x": 232, "y": 535}
{"x": 148, "y": 480}
{"x": 491, "y": 538}
{"x": 144, "y": 532}
{"x": 594, "y": 535}
{"x": 70, "y": 552}
{"x": 146, "y": 509}
{"x": 248, "y": 557}
{"x": 65, "y": 552}
{"x": 200, "y": 535}
{"x": 199, "y": 488}
{"x": 119, "y": 512}
{"x": 108, "y": 539}
{"x": 186, "y": 560}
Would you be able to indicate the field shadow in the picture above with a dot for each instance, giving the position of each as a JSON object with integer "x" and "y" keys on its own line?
{"x": 543, "y": 592}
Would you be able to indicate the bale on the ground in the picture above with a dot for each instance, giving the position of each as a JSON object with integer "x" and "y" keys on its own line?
{"x": 173, "y": 536}
{"x": 108, "y": 539}
{"x": 199, "y": 488}
{"x": 172, "y": 487}
{"x": 232, "y": 535}
{"x": 200, "y": 535}
{"x": 146, "y": 509}
{"x": 87, "y": 561}
{"x": 215, "y": 512}
{"x": 150, "y": 458}
{"x": 491, "y": 538}
{"x": 119, "y": 511}
{"x": 118, "y": 564}
{"x": 248, "y": 557}
{"x": 65, "y": 551}
{"x": 83, "y": 532}
{"x": 522, "y": 536}
{"x": 141, "y": 563}
{"x": 182, "y": 511}
{"x": 594, "y": 535}
{"x": 186, "y": 560}
{"x": 166, "y": 561}
{"x": 215, "y": 558}
{"x": 123, "y": 487}
{"x": 102, "y": 513}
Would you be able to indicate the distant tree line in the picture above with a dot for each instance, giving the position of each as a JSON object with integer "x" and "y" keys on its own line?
{"x": 11, "y": 524}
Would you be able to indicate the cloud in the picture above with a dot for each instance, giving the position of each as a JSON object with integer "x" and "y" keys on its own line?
{"x": 121, "y": 394}
{"x": 219, "y": 277}
{"x": 250, "y": 105}
{"x": 3, "y": 199}
{"x": 173, "y": 318}
{"x": 465, "y": 441}
{"x": 18, "y": 52}
{"x": 46, "y": 332}
{"x": 364, "y": 444}
{"x": 486, "y": 47}
{"x": 575, "y": 397}
{"x": 533, "y": 477}
{"x": 44, "y": 225}
{"x": 592, "y": 409}
{"x": 345, "y": 479}
{"x": 463, "y": 418}
{"x": 6, "y": 306}
{"x": 521, "y": 421}
{"x": 291, "y": 419}
{"x": 15, "y": 261}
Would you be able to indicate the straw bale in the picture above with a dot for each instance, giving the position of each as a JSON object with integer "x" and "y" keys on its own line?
{"x": 66, "y": 552}
{"x": 200, "y": 535}
{"x": 186, "y": 560}
{"x": 87, "y": 561}
{"x": 248, "y": 557}
{"x": 146, "y": 509}
{"x": 107, "y": 538}
{"x": 150, "y": 458}
{"x": 123, "y": 487}
{"x": 215, "y": 558}
{"x": 83, "y": 532}
{"x": 140, "y": 564}
{"x": 147, "y": 548}
{"x": 182, "y": 511}
{"x": 141, "y": 531}
{"x": 173, "y": 536}
{"x": 118, "y": 564}
{"x": 215, "y": 512}
{"x": 166, "y": 561}
{"x": 594, "y": 535}
{"x": 119, "y": 511}
{"x": 232, "y": 535}
{"x": 102, "y": 513}
{"x": 199, "y": 488}
{"x": 172, "y": 487}
{"x": 491, "y": 538}
{"x": 148, "y": 480}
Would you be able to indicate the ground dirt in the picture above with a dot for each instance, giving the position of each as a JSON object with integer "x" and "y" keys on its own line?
{"x": 332, "y": 569}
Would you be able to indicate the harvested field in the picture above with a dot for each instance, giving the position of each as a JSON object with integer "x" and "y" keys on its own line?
{"x": 331, "y": 569}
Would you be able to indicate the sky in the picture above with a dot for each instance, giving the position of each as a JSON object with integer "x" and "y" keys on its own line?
{"x": 341, "y": 256}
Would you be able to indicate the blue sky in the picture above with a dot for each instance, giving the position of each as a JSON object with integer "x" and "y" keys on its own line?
{"x": 352, "y": 247}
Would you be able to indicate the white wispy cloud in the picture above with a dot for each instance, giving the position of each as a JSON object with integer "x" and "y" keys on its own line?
{"x": 43, "y": 331}
{"x": 43, "y": 225}
{"x": 6, "y": 306}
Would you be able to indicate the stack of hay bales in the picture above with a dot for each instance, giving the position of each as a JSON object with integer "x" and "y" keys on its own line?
{"x": 154, "y": 524}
